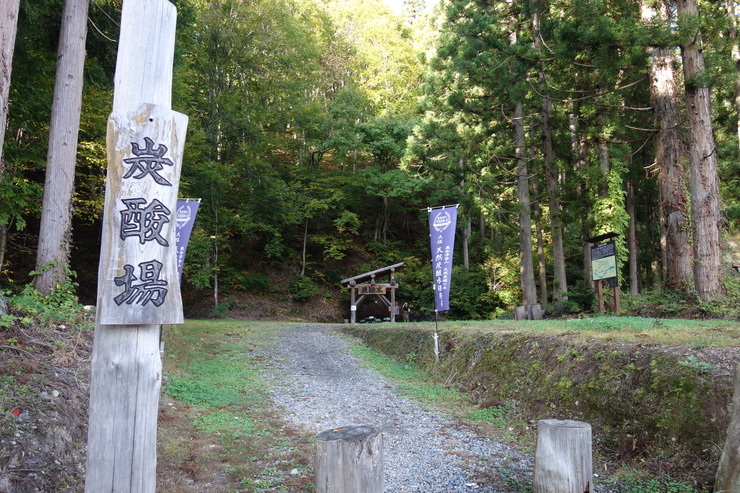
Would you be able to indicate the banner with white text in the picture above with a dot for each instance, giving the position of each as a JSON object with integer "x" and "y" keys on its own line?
{"x": 442, "y": 222}
{"x": 185, "y": 217}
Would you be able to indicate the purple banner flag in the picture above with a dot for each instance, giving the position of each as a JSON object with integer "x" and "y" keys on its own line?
{"x": 442, "y": 224}
{"x": 186, "y": 211}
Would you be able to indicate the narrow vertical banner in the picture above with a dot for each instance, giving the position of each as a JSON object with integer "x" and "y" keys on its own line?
{"x": 442, "y": 223}
{"x": 185, "y": 217}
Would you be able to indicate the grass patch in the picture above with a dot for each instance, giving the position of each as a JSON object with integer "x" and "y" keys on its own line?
{"x": 628, "y": 377}
{"x": 414, "y": 382}
{"x": 217, "y": 423}
{"x": 705, "y": 333}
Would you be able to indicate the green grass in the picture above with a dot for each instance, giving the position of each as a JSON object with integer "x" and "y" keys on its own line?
{"x": 214, "y": 383}
{"x": 512, "y": 354}
{"x": 696, "y": 333}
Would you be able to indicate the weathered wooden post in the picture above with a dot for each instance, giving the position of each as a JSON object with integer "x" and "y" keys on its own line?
{"x": 138, "y": 285}
{"x": 349, "y": 459}
{"x": 563, "y": 459}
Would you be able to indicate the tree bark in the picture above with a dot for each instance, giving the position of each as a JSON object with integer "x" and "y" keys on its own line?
{"x": 560, "y": 282}
{"x": 634, "y": 271}
{"x": 579, "y": 149}
{"x": 675, "y": 237}
{"x": 52, "y": 257}
{"x": 8, "y": 28}
{"x": 735, "y": 57}
{"x": 467, "y": 231}
{"x": 529, "y": 290}
{"x": 540, "y": 244}
{"x": 704, "y": 183}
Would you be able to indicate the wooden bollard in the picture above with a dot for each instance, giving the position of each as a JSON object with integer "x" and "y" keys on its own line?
{"x": 563, "y": 461}
{"x": 349, "y": 459}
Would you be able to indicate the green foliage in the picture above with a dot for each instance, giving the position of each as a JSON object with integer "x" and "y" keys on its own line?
{"x": 306, "y": 134}
{"x": 471, "y": 297}
{"x": 302, "y": 288}
{"x": 61, "y": 306}
{"x": 696, "y": 365}
{"x": 640, "y": 484}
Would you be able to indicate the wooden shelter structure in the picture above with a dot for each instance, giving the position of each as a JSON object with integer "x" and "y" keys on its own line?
{"x": 366, "y": 284}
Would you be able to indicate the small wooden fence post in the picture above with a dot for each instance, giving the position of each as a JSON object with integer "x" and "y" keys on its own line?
{"x": 349, "y": 459}
{"x": 563, "y": 460}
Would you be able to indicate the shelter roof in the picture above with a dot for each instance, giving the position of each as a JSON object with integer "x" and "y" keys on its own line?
{"x": 369, "y": 275}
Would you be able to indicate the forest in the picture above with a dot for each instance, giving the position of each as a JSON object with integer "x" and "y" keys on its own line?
{"x": 321, "y": 131}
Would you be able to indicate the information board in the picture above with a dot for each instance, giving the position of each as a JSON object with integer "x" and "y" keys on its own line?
{"x": 604, "y": 261}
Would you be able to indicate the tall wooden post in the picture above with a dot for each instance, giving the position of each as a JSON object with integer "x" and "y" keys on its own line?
{"x": 353, "y": 303}
{"x": 138, "y": 285}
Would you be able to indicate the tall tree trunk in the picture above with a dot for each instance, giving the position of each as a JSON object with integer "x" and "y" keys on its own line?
{"x": 303, "y": 250}
{"x": 540, "y": 244}
{"x": 704, "y": 183}
{"x": 52, "y": 258}
{"x": 579, "y": 149}
{"x": 735, "y": 58}
{"x": 467, "y": 231}
{"x": 560, "y": 282}
{"x": 529, "y": 290}
{"x": 467, "y": 228}
{"x": 634, "y": 276}
{"x": 675, "y": 237}
{"x": 8, "y": 28}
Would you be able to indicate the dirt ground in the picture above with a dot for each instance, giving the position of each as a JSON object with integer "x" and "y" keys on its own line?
{"x": 44, "y": 393}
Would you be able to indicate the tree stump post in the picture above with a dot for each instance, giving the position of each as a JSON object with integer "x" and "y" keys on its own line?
{"x": 563, "y": 460}
{"x": 349, "y": 459}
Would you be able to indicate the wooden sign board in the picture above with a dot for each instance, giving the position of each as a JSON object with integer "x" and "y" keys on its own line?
{"x": 604, "y": 261}
{"x": 138, "y": 282}
{"x": 370, "y": 289}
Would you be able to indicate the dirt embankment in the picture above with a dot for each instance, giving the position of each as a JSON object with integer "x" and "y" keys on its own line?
{"x": 664, "y": 408}
{"x": 44, "y": 385}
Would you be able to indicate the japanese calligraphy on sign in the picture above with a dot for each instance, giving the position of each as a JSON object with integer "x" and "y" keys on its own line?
{"x": 442, "y": 224}
{"x": 139, "y": 282}
{"x": 370, "y": 289}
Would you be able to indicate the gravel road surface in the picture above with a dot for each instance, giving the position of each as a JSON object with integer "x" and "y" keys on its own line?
{"x": 321, "y": 386}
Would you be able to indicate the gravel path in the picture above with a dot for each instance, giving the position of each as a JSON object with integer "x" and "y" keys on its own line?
{"x": 321, "y": 386}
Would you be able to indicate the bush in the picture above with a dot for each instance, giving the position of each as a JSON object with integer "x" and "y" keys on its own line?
{"x": 302, "y": 288}
{"x": 60, "y": 306}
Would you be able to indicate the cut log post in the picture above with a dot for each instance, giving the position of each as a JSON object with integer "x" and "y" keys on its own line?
{"x": 138, "y": 285}
{"x": 563, "y": 460}
{"x": 349, "y": 459}
{"x": 728, "y": 471}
